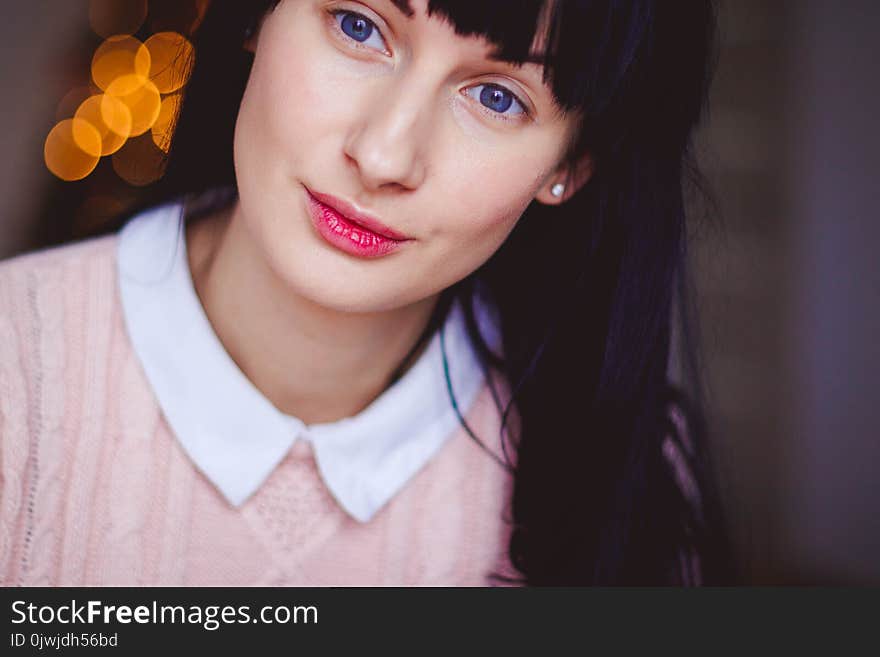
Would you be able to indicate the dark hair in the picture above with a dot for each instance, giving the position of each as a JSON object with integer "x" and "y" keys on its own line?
{"x": 586, "y": 324}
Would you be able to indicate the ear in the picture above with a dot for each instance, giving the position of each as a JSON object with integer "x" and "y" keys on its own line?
{"x": 572, "y": 178}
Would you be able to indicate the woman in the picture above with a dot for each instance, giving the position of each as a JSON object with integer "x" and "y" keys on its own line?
{"x": 399, "y": 313}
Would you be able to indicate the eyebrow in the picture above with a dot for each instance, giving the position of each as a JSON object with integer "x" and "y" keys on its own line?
{"x": 532, "y": 58}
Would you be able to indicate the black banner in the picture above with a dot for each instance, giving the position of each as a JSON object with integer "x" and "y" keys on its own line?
{"x": 569, "y": 621}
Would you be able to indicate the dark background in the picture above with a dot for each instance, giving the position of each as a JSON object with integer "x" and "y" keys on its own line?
{"x": 788, "y": 276}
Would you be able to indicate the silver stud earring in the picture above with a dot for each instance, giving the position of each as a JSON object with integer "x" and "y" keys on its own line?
{"x": 557, "y": 189}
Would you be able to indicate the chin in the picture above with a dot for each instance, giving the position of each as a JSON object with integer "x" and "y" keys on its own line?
{"x": 331, "y": 290}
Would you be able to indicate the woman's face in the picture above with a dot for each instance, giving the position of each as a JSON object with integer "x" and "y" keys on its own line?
{"x": 404, "y": 121}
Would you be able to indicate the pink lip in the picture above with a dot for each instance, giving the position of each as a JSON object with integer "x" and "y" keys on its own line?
{"x": 341, "y": 225}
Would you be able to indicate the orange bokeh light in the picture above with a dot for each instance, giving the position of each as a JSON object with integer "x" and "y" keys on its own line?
{"x": 72, "y": 149}
{"x": 171, "y": 59}
{"x": 71, "y": 101}
{"x": 124, "y": 101}
{"x": 109, "y": 17}
{"x": 116, "y": 116}
{"x": 163, "y": 129}
{"x": 114, "y": 131}
{"x": 142, "y": 99}
{"x": 201, "y": 8}
{"x": 119, "y": 57}
{"x": 140, "y": 162}
{"x": 182, "y": 16}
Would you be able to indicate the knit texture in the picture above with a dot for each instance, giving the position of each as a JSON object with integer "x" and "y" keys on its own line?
{"x": 96, "y": 491}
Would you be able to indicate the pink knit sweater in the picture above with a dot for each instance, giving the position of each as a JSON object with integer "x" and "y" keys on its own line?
{"x": 95, "y": 490}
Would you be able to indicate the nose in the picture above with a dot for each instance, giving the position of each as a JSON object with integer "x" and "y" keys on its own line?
{"x": 387, "y": 144}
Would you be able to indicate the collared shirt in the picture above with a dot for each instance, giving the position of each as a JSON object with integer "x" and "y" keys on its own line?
{"x": 233, "y": 433}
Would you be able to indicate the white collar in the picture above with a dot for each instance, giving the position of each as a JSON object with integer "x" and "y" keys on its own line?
{"x": 233, "y": 434}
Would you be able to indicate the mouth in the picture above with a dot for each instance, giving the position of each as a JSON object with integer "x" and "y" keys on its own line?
{"x": 341, "y": 225}
{"x": 347, "y": 212}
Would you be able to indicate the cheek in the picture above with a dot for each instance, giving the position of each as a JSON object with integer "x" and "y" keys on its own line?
{"x": 485, "y": 192}
{"x": 293, "y": 94}
{"x": 476, "y": 220}
{"x": 491, "y": 195}
{"x": 490, "y": 176}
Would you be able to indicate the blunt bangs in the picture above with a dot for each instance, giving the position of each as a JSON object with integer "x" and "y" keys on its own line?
{"x": 586, "y": 47}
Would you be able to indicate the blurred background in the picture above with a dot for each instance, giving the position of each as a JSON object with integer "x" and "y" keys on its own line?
{"x": 788, "y": 276}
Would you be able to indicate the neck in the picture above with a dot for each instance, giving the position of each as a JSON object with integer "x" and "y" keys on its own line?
{"x": 315, "y": 363}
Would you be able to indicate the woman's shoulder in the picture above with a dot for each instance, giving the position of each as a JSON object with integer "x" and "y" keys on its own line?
{"x": 36, "y": 266}
{"x": 41, "y": 289}
{"x": 88, "y": 262}
{"x": 47, "y": 294}
{"x": 55, "y": 272}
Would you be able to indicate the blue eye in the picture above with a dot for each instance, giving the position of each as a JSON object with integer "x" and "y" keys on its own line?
{"x": 358, "y": 27}
{"x": 498, "y": 99}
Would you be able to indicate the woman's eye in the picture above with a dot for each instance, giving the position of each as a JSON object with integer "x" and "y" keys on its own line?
{"x": 498, "y": 99}
{"x": 360, "y": 28}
